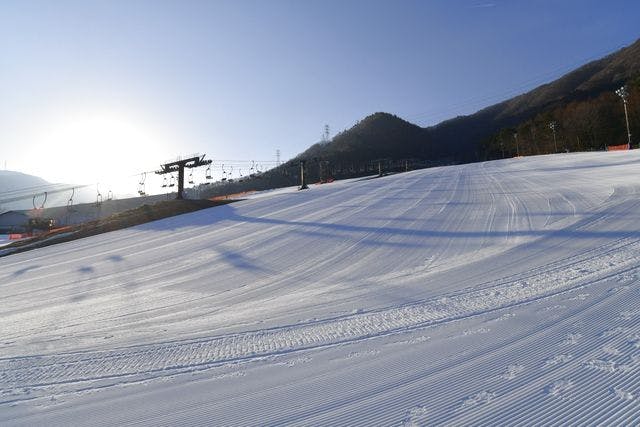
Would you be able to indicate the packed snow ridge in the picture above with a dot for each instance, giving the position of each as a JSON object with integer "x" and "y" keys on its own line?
{"x": 494, "y": 293}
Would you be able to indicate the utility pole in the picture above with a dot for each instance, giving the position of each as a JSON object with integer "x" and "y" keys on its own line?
{"x": 622, "y": 93}
{"x": 178, "y": 166}
{"x": 552, "y": 126}
{"x": 303, "y": 181}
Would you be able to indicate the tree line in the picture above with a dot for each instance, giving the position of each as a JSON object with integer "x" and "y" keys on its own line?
{"x": 585, "y": 125}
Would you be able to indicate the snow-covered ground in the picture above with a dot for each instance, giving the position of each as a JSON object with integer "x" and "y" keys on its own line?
{"x": 4, "y": 240}
{"x": 497, "y": 293}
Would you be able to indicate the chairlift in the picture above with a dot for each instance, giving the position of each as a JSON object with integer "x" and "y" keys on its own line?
{"x": 70, "y": 201}
{"x": 43, "y": 201}
{"x": 191, "y": 177}
{"x": 164, "y": 181}
{"x": 98, "y": 197}
{"x": 208, "y": 172}
{"x": 172, "y": 181}
{"x": 141, "y": 184}
{"x": 224, "y": 174}
{"x": 110, "y": 195}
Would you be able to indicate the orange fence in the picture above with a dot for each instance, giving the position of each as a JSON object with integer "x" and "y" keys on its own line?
{"x": 233, "y": 196}
{"x": 60, "y": 229}
{"x": 617, "y": 147}
{"x": 18, "y": 236}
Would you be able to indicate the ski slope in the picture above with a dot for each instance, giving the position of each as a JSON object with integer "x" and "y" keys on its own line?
{"x": 494, "y": 293}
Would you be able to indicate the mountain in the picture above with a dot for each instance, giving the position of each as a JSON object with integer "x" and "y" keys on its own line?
{"x": 19, "y": 191}
{"x": 374, "y": 137}
{"x": 11, "y": 181}
{"x": 588, "y": 81}
{"x": 383, "y": 135}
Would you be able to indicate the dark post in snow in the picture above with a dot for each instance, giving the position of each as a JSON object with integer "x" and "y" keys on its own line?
{"x": 303, "y": 181}
{"x": 178, "y": 166}
{"x": 552, "y": 126}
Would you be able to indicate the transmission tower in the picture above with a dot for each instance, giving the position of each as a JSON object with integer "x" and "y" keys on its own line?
{"x": 325, "y": 134}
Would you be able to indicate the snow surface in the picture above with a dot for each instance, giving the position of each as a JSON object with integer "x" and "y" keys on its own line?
{"x": 497, "y": 293}
{"x": 4, "y": 240}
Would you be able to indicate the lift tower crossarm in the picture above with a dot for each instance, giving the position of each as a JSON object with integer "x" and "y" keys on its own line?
{"x": 178, "y": 166}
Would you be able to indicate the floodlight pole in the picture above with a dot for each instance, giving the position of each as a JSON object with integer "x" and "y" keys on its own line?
{"x": 303, "y": 182}
{"x": 622, "y": 93}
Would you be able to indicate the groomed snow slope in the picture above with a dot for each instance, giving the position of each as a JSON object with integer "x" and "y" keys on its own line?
{"x": 497, "y": 293}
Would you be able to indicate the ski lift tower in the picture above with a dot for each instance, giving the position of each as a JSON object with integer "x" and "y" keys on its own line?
{"x": 179, "y": 165}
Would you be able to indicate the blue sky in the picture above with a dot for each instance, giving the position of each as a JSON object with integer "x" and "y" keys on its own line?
{"x": 94, "y": 89}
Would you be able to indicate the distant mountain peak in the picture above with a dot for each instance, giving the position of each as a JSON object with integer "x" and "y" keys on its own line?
{"x": 13, "y": 180}
{"x": 386, "y": 135}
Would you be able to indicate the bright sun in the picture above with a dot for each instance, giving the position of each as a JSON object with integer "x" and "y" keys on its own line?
{"x": 101, "y": 148}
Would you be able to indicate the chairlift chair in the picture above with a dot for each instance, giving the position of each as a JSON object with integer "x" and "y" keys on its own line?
{"x": 43, "y": 201}
{"x": 70, "y": 201}
{"x": 141, "y": 189}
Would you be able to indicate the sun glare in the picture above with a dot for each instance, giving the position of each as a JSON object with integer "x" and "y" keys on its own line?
{"x": 101, "y": 148}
